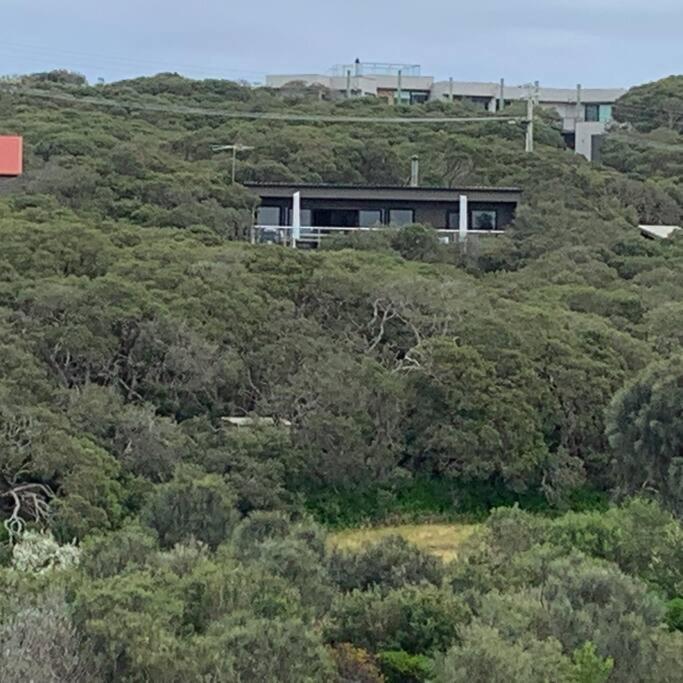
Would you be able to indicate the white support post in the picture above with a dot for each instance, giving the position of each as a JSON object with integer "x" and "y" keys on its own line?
{"x": 296, "y": 218}
{"x": 450, "y": 89}
{"x": 464, "y": 218}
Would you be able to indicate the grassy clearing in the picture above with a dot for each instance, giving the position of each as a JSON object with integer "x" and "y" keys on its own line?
{"x": 442, "y": 540}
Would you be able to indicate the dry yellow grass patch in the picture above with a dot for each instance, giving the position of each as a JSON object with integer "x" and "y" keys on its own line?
{"x": 442, "y": 540}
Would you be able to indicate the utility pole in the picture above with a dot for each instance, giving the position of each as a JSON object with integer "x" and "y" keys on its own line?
{"x": 530, "y": 124}
{"x": 399, "y": 90}
{"x": 450, "y": 89}
{"x": 235, "y": 148}
{"x": 348, "y": 84}
{"x": 501, "y": 96}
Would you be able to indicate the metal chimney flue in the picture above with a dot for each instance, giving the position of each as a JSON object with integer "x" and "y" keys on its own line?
{"x": 414, "y": 171}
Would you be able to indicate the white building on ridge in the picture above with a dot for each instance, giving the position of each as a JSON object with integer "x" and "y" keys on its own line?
{"x": 585, "y": 113}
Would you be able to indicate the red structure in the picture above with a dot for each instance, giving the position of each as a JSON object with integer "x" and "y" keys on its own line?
{"x": 11, "y": 155}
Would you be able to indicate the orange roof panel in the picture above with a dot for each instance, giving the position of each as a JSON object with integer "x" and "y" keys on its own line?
{"x": 11, "y": 155}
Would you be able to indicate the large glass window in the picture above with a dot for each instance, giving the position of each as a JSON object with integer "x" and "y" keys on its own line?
{"x": 484, "y": 220}
{"x": 453, "y": 220}
{"x": 605, "y": 112}
{"x": 401, "y": 217}
{"x": 268, "y": 215}
{"x": 592, "y": 112}
{"x": 369, "y": 219}
{"x": 335, "y": 218}
{"x": 305, "y": 217}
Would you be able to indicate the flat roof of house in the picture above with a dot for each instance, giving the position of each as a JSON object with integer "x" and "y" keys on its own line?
{"x": 661, "y": 232}
{"x": 421, "y": 188}
{"x": 324, "y": 191}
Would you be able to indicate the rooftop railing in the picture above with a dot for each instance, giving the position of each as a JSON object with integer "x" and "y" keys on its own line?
{"x": 375, "y": 69}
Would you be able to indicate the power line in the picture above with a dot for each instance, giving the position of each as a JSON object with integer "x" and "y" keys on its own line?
{"x": 645, "y": 143}
{"x": 642, "y": 110}
{"x": 42, "y": 53}
{"x": 267, "y": 116}
{"x": 91, "y": 66}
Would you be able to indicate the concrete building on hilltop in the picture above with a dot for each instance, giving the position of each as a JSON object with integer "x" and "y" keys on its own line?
{"x": 585, "y": 113}
{"x": 391, "y": 82}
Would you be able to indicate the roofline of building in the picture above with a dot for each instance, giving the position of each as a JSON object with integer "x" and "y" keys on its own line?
{"x": 550, "y": 94}
{"x": 388, "y": 188}
{"x": 550, "y": 91}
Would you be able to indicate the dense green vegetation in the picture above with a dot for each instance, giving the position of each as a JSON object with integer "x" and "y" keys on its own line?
{"x": 146, "y": 540}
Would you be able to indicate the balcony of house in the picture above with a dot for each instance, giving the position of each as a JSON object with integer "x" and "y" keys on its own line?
{"x": 303, "y": 216}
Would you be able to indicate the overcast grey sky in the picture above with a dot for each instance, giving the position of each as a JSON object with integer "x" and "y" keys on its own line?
{"x": 559, "y": 42}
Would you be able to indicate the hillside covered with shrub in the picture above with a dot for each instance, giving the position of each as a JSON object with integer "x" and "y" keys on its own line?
{"x": 146, "y": 540}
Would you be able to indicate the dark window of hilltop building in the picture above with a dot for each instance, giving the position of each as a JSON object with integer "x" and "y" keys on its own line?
{"x": 335, "y": 218}
{"x": 401, "y": 217}
{"x": 369, "y": 219}
{"x": 453, "y": 220}
{"x": 592, "y": 112}
{"x": 484, "y": 220}
{"x": 268, "y": 215}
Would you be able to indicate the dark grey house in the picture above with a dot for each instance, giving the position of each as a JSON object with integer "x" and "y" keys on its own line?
{"x": 305, "y": 213}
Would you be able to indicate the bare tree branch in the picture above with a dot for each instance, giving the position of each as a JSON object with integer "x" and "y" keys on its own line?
{"x": 29, "y": 502}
